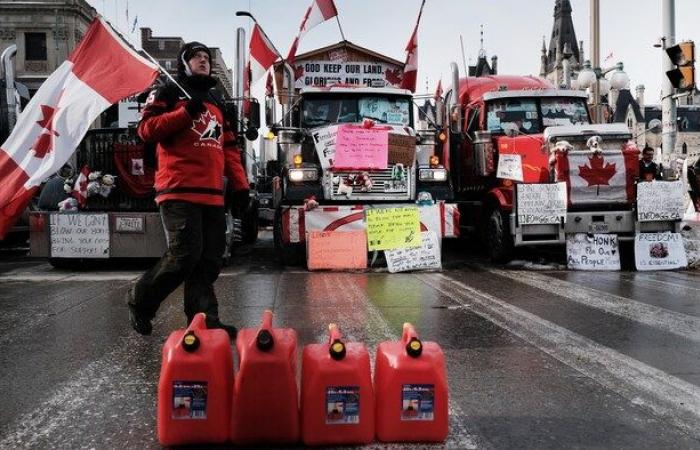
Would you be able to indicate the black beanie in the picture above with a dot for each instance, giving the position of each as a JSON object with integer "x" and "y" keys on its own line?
{"x": 186, "y": 53}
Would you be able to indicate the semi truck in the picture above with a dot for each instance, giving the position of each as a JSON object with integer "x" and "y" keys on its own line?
{"x": 549, "y": 131}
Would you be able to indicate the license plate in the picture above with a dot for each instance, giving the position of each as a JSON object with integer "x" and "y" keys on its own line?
{"x": 598, "y": 227}
{"x": 129, "y": 224}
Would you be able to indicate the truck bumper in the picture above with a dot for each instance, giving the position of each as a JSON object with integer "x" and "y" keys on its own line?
{"x": 441, "y": 217}
{"x": 621, "y": 223}
{"x": 131, "y": 235}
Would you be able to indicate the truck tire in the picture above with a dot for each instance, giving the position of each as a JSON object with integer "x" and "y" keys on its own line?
{"x": 287, "y": 254}
{"x": 499, "y": 242}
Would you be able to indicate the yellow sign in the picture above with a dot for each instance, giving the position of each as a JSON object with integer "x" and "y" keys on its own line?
{"x": 392, "y": 228}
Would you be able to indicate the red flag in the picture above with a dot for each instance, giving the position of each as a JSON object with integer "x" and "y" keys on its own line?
{"x": 101, "y": 71}
{"x": 80, "y": 186}
{"x": 269, "y": 86}
{"x": 410, "y": 68}
{"x": 262, "y": 54}
{"x": 438, "y": 90}
{"x": 318, "y": 12}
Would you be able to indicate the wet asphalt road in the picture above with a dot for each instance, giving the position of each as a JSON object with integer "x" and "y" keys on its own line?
{"x": 535, "y": 359}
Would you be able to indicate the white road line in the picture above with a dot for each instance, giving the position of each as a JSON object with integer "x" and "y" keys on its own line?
{"x": 666, "y": 396}
{"x": 680, "y": 324}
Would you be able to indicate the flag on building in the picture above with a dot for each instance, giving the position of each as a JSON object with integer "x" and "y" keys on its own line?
{"x": 438, "y": 90}
{"x": 318, "y": 12}
{"x": 410, "y": 69}
{"x": 101, "y": 70}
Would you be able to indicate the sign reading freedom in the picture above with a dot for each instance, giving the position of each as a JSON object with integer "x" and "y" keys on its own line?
{"x": 392, "y": 228}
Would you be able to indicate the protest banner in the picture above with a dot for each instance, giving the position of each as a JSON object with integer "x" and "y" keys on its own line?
{"x": 659, "y": 251}
{"x": 392, "y": 228}
{"x": 660, "y": 201}
{"x": 402, "y": 149}
{"x": 540, "y": 203}
{"x": 592, "y": 252}
{"x": 336, "y": 250}
{"x": 324, "y": 141}
{"x": 361, "y": 148}
{"x": 510, "y": 167}
{"x": 427, "y": 256}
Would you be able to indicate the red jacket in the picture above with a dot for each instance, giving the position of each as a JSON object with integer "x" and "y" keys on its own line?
{"x": 193, "y": 154}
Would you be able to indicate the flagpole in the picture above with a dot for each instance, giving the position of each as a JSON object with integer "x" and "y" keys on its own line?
{"x": 341, "y": 28}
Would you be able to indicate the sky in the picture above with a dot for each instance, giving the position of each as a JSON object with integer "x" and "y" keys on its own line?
{"x": 513, "y": 30}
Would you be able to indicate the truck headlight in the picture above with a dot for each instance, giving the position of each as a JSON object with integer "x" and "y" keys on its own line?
{"x": 432, "y": 174}
{"x": 301, "y": 175}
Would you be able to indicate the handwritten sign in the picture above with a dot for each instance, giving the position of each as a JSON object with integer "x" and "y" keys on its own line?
{"x": 427, "y": 256}
{"x": 540, "y": 203}
{"x": 79, "y": 235}
{"x": 510, "y": 167}
{"x": 392, "y": 228}
{"x": 324, "y": 140}
{"x": 361, "y": 148}
{"x": 659, "y": 251}
{"x": 336, "y": 250}
{"x": 592, "y": 252}
{"x": 339, "y": 70}
{"x": 402, "y": 149}
{"x": 660, "y": 200}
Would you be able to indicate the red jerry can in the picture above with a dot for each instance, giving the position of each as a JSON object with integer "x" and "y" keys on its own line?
{"x": 411, "y": 390}
{"x": 337, "y": 400}
{"x": 195, "y": 386}
{"x": 265, "y": 396}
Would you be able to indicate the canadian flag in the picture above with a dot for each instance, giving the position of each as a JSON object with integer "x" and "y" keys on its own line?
{"x": 262, "y": 55}
{"x": 410, "y": 69}
{"x": 80, "y": 186}
{"x": 101, "y": 71}
{"x": 318, "y": 12}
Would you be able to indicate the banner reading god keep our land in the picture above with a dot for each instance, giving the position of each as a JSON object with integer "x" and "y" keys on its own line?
{"x": 392, "y": 228}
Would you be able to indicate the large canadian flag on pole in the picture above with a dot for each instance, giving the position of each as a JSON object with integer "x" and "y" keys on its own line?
{"x": 318, "y": 12}
{"x": 262, "y": 54}
{"x": 410, "y": 69}
{"x": 101, "y": 71}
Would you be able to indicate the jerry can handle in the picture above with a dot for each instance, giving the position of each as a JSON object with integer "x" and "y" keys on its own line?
{"x": 414, "y": 347}
{"x": 336, "y": 347}
{"x": 264, "y": 341}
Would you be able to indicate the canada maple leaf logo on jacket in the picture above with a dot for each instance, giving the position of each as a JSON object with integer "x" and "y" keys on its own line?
{"x": 599, "y": 172}
{"x": 207, "y": 127}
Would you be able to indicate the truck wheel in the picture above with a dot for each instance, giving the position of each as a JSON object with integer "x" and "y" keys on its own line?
{"x": 498, "y": 239}
{"x": 288, "y": 254}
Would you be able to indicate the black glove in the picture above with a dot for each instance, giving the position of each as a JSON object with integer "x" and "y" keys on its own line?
{"x": 240, "y": 200}
{"x": 195, "y": 107}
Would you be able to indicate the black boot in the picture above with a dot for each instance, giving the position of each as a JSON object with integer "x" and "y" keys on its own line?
{"x": 138, "y": 320}
{"x": 230, "y": 329}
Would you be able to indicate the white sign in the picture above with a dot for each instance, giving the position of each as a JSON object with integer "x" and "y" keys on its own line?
{"x": 128, "y": 113}
{"x": 540, "y": 203}
{"x": 128, "y": 224}
{"x": 427, "y": 256}
{"x": 659, "y": 251}
{"x": 324, "y": 140}
{"x": 592, "y": 252}
{"x": 510, "y": 166}
{"x": 362, "y": 73}
{"x": 79, "y": 235}
{"x": 660, "y": 200}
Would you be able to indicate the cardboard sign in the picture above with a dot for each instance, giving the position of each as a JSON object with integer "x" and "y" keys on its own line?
{"x": 79, "y": 235}
{"x": 659, "y": 251}
{"x": 361, "y": 148}
{"x": 510, "y": 166}
{"x": 392, "y": 228}
{"x": 427, "y": 256}
{"x": 324, "y": 140}
{"x": 336, "y": 250}
{"x": 592, "y": 252}
{"x": 660, "y": 200}
{"x": 402, "y": 149}
{"x": 540, "y": 203}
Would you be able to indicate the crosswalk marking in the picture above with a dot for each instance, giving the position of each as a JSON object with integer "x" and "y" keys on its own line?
{"x": 666, "y": 396}
{"x": 682, "y": 325}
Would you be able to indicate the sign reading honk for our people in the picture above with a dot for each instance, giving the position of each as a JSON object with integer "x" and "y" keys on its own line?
{"x": 392, "y": 228}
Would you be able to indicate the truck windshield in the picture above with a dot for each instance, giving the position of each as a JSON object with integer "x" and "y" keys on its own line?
{"x": 322, "y": 110}
{"x": 532, "y": 115}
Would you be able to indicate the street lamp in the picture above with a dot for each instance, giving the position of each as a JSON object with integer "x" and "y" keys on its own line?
{"x": 592, "y": 77}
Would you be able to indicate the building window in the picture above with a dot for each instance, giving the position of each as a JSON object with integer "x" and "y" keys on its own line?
{"x": 35, "y": 46}
{"x": 629, "y": 123}
{"x": 161, "y": 45}
{"x": 168, "y": 65}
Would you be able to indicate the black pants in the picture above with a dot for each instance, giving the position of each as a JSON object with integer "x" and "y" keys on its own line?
{"x": 196, "y": 243}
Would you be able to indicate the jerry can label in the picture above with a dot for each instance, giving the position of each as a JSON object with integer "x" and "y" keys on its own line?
{"x": 342, "y": 405}
{"x": 189, "y": 400}
{"x": 418, "y": 402}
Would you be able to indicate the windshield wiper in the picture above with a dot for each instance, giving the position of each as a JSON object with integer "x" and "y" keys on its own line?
{"x": 378, "y": 119}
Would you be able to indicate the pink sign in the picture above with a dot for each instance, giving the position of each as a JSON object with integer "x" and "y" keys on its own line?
{"x": 361, "y": 148}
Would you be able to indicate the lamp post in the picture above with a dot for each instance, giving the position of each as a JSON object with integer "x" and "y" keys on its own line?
{"x": 593, "y": 78}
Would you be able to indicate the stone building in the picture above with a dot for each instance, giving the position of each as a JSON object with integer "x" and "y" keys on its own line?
{"x": 561, "y": 43}
{"x": 164, "y": 49}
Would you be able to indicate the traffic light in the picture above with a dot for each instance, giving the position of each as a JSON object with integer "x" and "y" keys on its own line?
{"x": 683, "y": 56}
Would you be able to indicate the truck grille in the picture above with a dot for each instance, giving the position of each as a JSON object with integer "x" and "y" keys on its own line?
{"x": 383, "y": 185}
